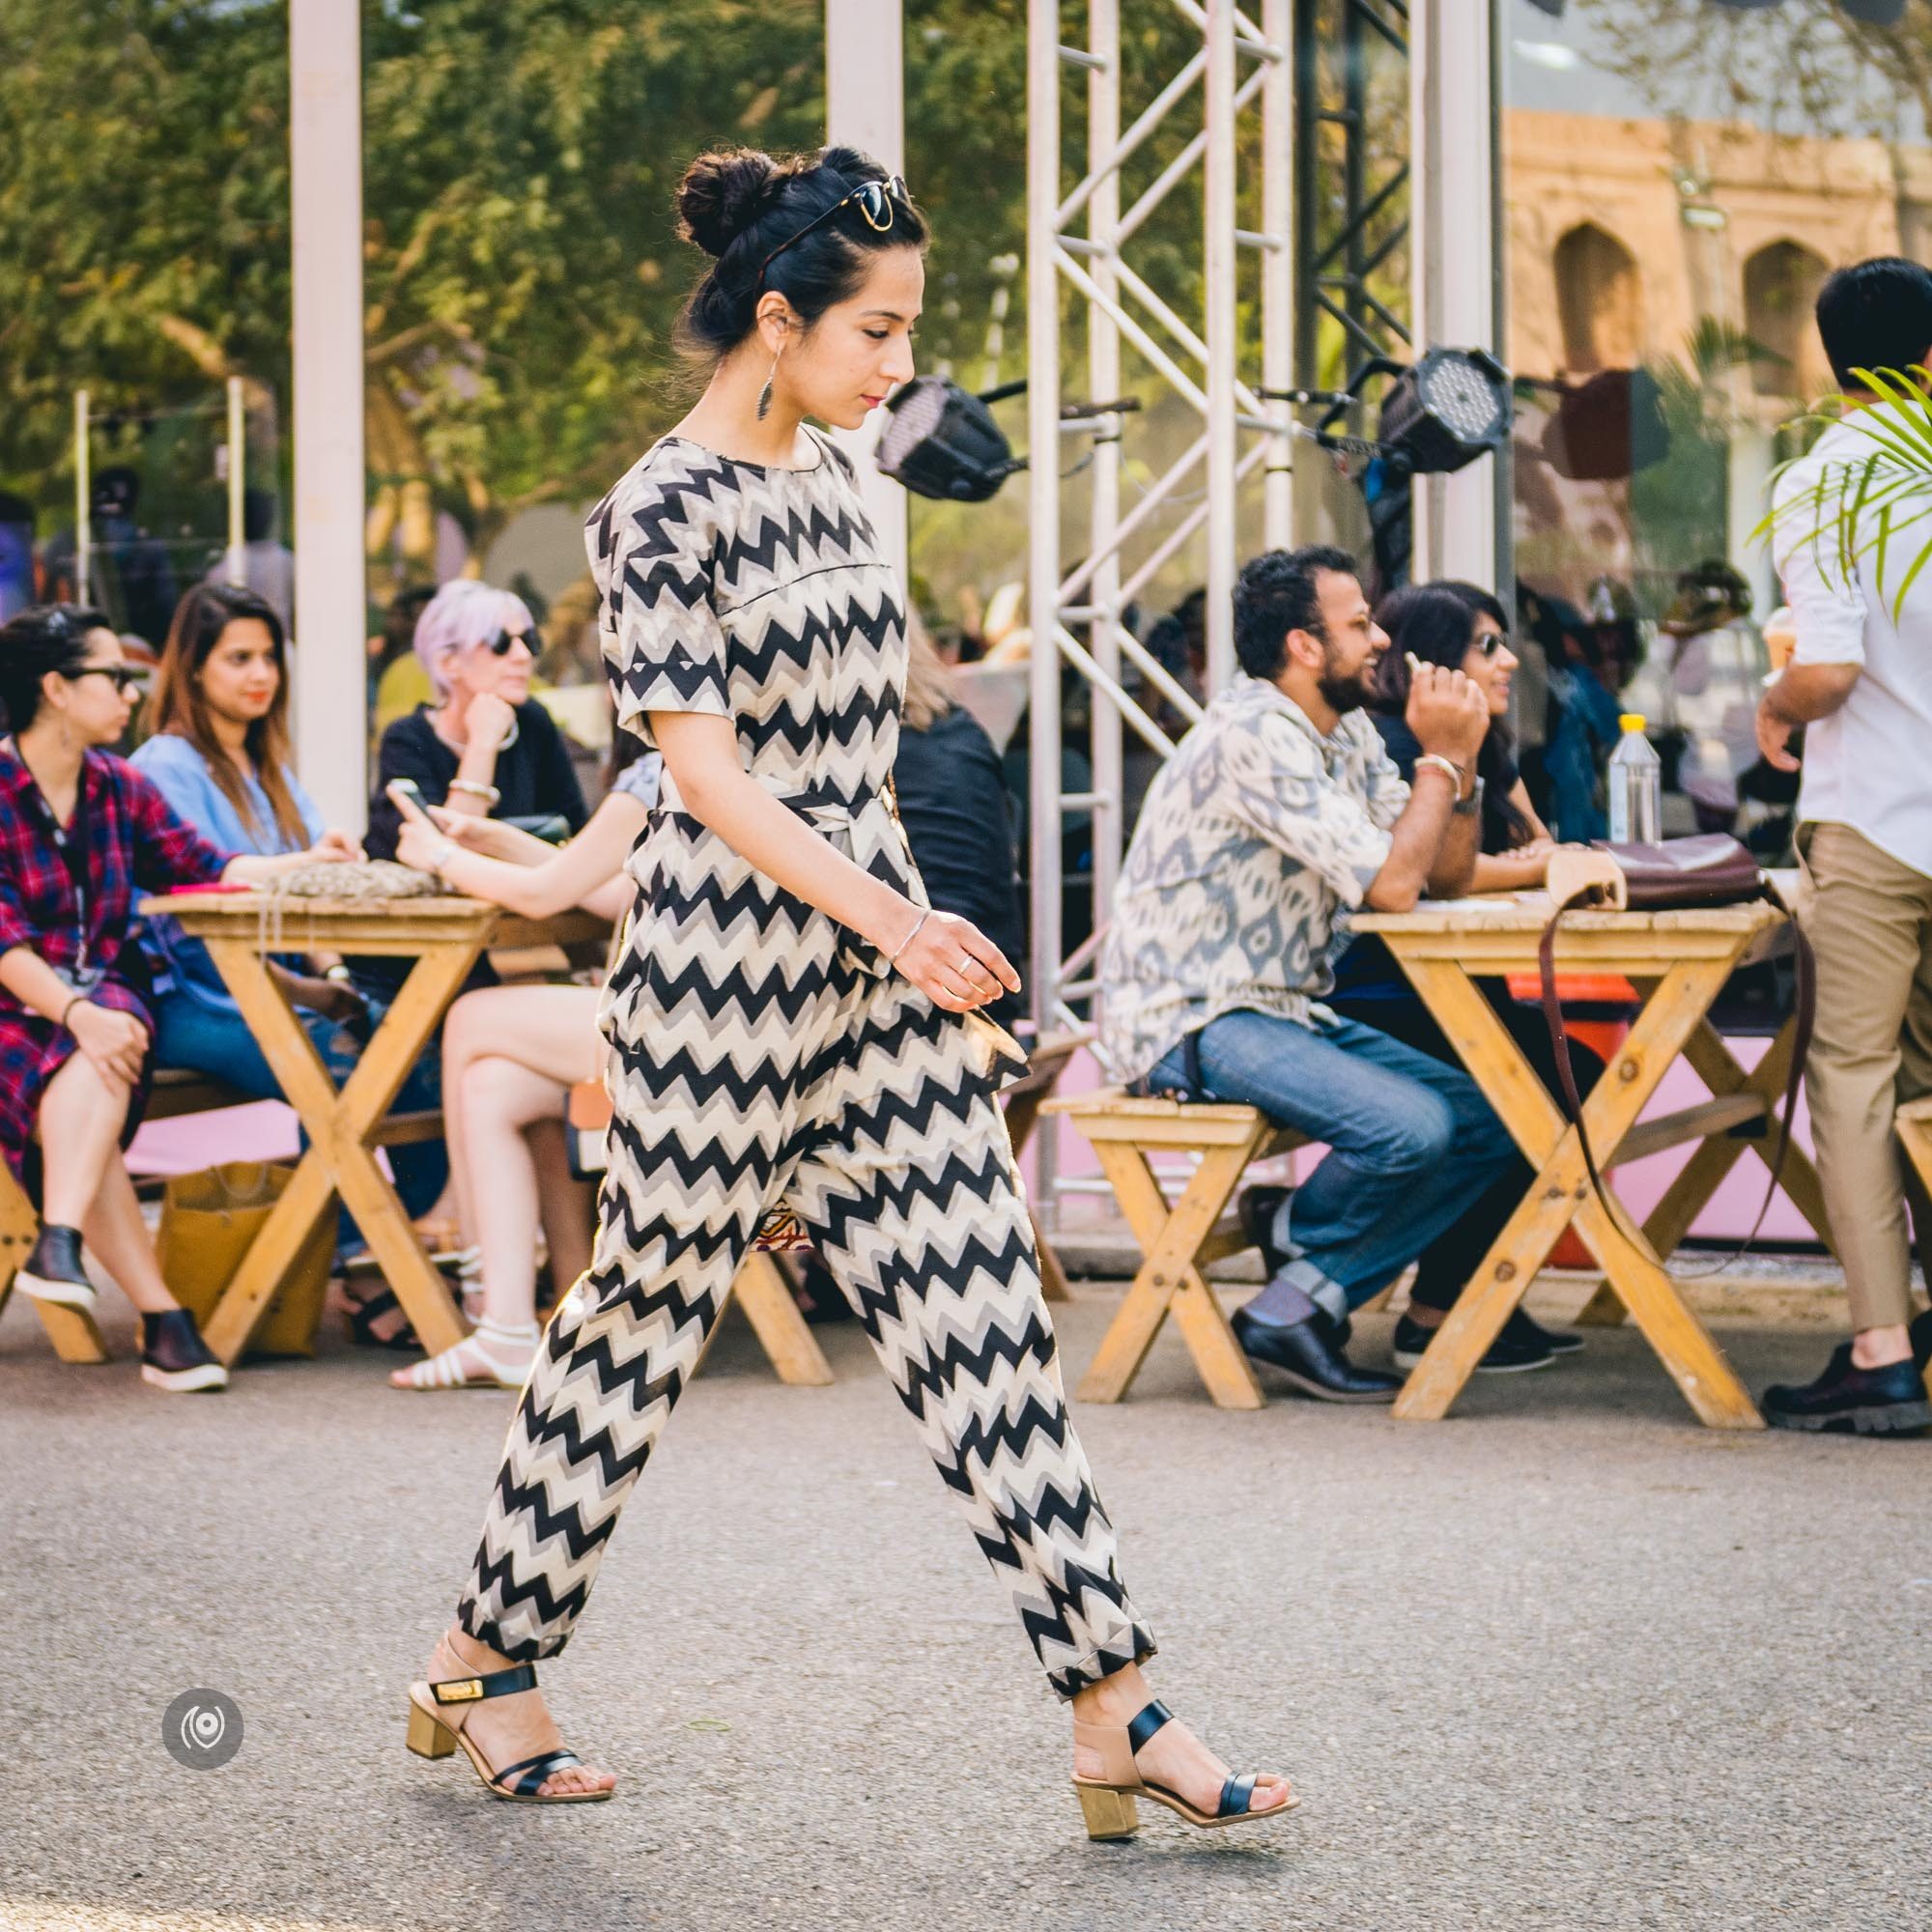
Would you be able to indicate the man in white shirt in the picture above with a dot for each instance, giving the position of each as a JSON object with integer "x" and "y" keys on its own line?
{"x": 1860, "y": 683}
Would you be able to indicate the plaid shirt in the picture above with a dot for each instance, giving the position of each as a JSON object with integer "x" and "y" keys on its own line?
{"x": 136, "y": 843}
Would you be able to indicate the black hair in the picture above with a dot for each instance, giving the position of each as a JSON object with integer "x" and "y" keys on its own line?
{"x": 738, "y": 204}
{"x": 43, "y": 637}
{"x": 1275, "y": 595}
{"x": 1875, "y": 315}
{"x": 1437, "y": 622}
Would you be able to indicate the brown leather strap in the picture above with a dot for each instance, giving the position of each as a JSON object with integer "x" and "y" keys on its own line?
{"x": 1805, "y": 1009}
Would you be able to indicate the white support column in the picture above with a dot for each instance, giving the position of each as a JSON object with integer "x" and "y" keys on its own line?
{"x": 325, "y": 208}
{"x": 865, "y": 107}
{"x": 1220, "y": 373}
{"x": 1042, "y": 134}
{"x": 1278, "y": 265}
{"x": 1452, "y": 185}
{"x": 1103, "y": 385}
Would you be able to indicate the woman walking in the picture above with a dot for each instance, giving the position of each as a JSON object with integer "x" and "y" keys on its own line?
{"x": 791, "y": 1025}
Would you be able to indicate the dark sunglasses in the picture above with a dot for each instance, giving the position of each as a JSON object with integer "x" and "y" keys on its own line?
{"x": 126, "y": 677}
{"x": 874, "y": 198}
{"x": 500, "y": 645}
{"x": 1491, "y": 642}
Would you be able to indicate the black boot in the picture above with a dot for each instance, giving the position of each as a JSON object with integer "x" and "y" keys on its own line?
{"x": 53, "y": 1273}
{"x": 1871, "y": 1402}
{"x": 175, "y": 1357}
{"x": 1309, "y": 1353}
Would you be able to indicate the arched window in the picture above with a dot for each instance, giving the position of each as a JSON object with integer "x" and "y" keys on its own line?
{"x": 1599, "y": 300}
{"x": 1780, "y": 289}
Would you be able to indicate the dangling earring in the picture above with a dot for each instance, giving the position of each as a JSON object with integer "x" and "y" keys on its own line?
{"x": 765, "y": 394}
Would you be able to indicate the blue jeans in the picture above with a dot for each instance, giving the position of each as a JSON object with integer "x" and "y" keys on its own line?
{"x": 203, "y": 1040}
{"x": 1413, "y": 1142}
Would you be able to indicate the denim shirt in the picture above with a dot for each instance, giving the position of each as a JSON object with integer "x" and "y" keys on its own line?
{"x": 1257, "y": 837}
{"x": 182, "y": 775}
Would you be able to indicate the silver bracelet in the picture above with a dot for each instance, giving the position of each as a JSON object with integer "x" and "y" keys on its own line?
{"x": 441, "y": 857}
{"x": 489, "y": 794}
{"x": 1448, "y": 767}
{"x": 893, "y": 957}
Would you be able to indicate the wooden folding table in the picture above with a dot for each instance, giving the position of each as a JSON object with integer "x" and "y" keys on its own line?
{"x": 445, "y": 937}
{"x": 1679, "y": 961}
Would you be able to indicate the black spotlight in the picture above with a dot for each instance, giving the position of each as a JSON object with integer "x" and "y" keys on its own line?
{"x": 1451, "y": 408}
{"x": 941, "y": 442}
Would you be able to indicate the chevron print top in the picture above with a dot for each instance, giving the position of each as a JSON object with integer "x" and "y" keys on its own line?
{"x": 762, "y": 595}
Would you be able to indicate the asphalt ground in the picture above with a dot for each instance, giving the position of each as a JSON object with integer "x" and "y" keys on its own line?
{"x": 1565, "y": 1660}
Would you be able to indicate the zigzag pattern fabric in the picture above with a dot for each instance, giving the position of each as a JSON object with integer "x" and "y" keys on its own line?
{"x": 765, "y": 1056}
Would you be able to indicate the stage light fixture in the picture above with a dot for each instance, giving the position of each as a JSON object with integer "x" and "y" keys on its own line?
{"x": 941, "y": 440}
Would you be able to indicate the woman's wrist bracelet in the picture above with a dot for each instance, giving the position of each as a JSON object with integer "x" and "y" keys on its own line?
{"x": 70, "y": 1007}
{"x": 893, "y": 957}
{"x": 441, "y": 858}
{"x": 489, "y": 794}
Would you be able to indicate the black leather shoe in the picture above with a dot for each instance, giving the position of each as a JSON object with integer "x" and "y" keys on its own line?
{"x": 53, "y": 1271}
{"x": 1868, "y": 1401}
{"x": 1920, "y": 1333}
{"x": 175, "y": 1357}
{"x": 1309, "y": 1353}
{"x": 1558, "y": 1341}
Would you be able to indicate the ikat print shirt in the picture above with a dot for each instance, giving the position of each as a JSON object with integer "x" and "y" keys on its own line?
{"x": 1256, "y": 840}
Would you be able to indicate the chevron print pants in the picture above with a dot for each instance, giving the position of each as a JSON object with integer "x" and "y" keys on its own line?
{"x": 872, "y": 1114}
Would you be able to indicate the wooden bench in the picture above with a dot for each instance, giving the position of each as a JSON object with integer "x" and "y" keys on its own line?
{"x": 75, "y": 1333}
{"x": 1177, "y": 1241}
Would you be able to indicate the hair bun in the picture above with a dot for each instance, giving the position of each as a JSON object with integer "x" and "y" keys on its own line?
{"x": 723, "y": 193}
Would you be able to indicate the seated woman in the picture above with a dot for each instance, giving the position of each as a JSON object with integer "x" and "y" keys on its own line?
{"x": 510, "y": 1057}
{"x": 82, "y": 834}
{"x": 1464, "y": 627}
{"x": 486, "y": 747}
{"x": 220, "y": 755}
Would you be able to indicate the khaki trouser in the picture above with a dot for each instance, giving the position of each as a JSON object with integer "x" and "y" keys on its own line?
{"x": 1870, "y": 919}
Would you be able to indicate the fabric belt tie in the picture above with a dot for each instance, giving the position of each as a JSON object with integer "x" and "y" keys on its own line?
{"x": 864, "y": 826}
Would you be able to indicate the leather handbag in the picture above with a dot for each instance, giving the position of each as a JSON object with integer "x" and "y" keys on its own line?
{"x": 1712, "y": 869}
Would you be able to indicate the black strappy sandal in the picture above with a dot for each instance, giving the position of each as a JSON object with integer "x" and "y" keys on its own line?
{"x": 362, "y": 1317}
{"x": 1108, "y": 1803}
{"x": 522, "y": 1784}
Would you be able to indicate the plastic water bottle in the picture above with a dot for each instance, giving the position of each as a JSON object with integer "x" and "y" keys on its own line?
{"x": 1635, "y": 786}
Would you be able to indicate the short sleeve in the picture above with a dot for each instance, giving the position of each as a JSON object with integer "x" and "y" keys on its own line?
{"x": 1279, "y": 790}
{"x": 1828, "y": 605}
{"x": 664, "y": 646}
{"x": 167, "y": 850}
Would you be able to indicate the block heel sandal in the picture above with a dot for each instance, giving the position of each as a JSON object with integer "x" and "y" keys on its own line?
{"x": 1107, "y": 1804}
{"x": 431, "y": 1735}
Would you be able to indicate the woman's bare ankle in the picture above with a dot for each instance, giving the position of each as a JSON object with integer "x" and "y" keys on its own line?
{"x": 472, "y": 1651}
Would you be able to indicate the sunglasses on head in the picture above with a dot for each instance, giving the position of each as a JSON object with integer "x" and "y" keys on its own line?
{"x": 500, "y": 645}
{"x": 875, "y": 202}
{"x": 126, "y": 677}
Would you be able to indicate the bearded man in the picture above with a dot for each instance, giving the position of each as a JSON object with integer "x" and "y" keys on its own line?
{"x": 1279, "y": 814}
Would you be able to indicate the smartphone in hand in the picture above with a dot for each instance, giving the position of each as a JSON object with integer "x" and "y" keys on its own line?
{"x": 404, "y": 796}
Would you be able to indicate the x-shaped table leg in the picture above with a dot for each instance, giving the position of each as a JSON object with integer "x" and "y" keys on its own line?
{"x": 339, "y": 1158}
{"x": 1168, "y": 1280}
{"x": 1561, "y": 1191}
{"x": 1700, "y": 1177}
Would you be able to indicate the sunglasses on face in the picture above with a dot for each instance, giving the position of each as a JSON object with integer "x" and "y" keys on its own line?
{"x": 500, "y": 644}
{"x": 1491, "y": 642}
{"x": 126, "y": 677}
{"x": 875, "y": 202}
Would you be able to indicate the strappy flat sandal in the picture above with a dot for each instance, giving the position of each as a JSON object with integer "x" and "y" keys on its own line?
{"x": 1108, "y": 1803}
{"x": 494, "y": 1357}
{"x": 522, "y": 1784}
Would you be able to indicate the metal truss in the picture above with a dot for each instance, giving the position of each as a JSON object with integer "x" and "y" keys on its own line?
{"x": 1346, "y": 225}
{"x": 1083, "y": 241}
